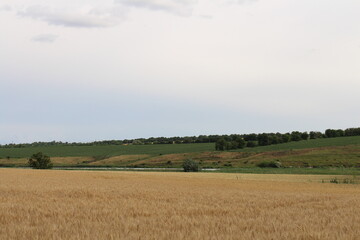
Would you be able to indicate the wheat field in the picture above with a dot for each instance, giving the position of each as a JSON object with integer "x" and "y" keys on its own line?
{"x": 51, "y": 204}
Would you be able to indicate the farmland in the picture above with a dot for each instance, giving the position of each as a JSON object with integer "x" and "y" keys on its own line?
{"x": 52, "y": 204}
{"x": 106, "y": 151}
{"x": 312, "y": 155}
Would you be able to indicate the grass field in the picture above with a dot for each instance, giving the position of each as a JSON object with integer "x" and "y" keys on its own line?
{"x": 106, "y": 151}
{"x": 116, "y": 150}
{"x": 312, "y": 143}
{"x": 343, "y": 152}
{"x": 49, "y": 204}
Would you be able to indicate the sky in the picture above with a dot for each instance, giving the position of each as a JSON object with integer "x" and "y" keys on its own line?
{"x": 90, "y": 70}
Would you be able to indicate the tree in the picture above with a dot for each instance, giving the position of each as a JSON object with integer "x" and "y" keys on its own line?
{"x": 285, "y": 137}
{"x": 220, "y": 144}
{"x": 304, "y": 136}
{"x": 190, "y": 165}
{"x": 40, "y": 161}
{"x": 352, "y": 132}
{"x": 232, "y": 145}
{"x": 330, "y": 133}
{"x": 315, "y": 135}
{"x": 251, "y": 144}
{"x": 250, "y": 137}
{"x": 295, "y": 136}
{"x": 241, "y": 143}
{"x": 274, "y": 139}
{"x": 263, "y": 139}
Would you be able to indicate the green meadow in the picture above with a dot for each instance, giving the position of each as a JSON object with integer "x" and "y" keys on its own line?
{"x": 108, "y": 150}
{"x": 319, "y": 156}
{"x": 311, "y": 143}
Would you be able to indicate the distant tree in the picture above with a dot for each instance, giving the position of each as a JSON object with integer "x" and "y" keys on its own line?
{"x": 340, "y": 133}
{"x": 314, "y": 135}
{"x": 274, "y": 139}
{"x": 241, "y": 143}
{"x": 295, "y": 136}
{"x": 304, "y": 136}
{"x": 138, "y": 142}
{"x": 220, "y": 144}
{"x": 190, "y": 165}
{"x": 263, "y": 139}
{"x": 250, "y": 137}
{"x": 40, "y": 161}
{"x": 188, "y": 140}
{"x": 285, "y": 138}
{"x": 352, "y": 132}
{"x": 331, "y": 133}
{"x": 232, "y": 145}
{"x": 251, "y": 144}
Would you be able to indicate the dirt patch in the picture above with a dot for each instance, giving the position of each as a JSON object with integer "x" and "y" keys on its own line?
{"x": 121, "y": 160}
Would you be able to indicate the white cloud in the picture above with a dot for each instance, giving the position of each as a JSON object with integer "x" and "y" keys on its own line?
{"x": 205, "y": 16}
{"x": 179, "y": 7}
{"x": 5, "y": 8}
{"x": 81, "y": 18}
{"x": 252, "y": 57}
{"x": 241, "y": 1}
{"x": 47, "y": 38}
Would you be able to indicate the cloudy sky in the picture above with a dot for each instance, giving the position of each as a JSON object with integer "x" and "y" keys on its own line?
{"x": 90, "y": 70}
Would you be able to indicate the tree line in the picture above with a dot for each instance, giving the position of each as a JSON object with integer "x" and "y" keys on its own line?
{"x": 263, "y": 139}
{"x": 222, "y": 142}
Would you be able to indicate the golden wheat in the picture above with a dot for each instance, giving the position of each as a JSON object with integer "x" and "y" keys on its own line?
{"x": 49, "y": 204}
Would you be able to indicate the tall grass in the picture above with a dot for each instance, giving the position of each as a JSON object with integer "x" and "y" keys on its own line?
{"x": 121, "y": 205}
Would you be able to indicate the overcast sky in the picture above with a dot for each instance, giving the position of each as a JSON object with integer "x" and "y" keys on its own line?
{"x": 90, "y": 70}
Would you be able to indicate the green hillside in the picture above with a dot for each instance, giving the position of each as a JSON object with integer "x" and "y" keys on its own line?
{"x": 312, "y": 143}
{"x": 342, "y": 152}
{"x": 107, "y": 150}
{"x": 157, "y": 149}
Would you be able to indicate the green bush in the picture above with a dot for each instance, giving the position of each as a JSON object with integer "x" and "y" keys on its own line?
{"x": 40, "y": 161}
{"x": 190, "y": 165}
{"x": 271, "y": 164}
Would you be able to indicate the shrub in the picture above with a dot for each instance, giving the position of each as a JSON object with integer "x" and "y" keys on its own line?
{"x": 271, "y": 164}
{"x": 334, "y": 180}
{"x": 190, "y": 165}
{"x": 40, "y": 161}
{"x": 344, "y": 181}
